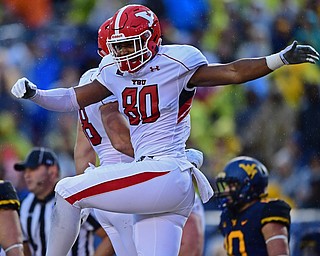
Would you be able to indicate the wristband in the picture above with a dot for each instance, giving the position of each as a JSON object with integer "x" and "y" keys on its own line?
{"x": 274, "y": 61}
{"x": 13, "y": 246}
{"x": 276, "y": 237}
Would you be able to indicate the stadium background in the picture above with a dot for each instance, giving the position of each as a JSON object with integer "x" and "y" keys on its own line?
{"x": 275, "y": 119}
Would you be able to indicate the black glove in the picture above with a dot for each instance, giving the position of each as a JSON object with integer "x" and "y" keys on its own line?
{"x": 30, "y": 92}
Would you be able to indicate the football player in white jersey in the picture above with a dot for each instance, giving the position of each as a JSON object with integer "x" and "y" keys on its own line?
{"x": 154, "y": 85}
{"x": 92, "y": 139}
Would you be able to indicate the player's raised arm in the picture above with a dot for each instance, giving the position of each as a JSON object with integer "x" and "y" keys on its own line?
{"x": 61, "y": 99}
{"x": 247, "y": 69}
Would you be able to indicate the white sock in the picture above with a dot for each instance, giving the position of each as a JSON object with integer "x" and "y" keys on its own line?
{"x": 65, "y": 226}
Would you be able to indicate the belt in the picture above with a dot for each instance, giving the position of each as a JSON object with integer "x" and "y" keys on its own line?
{"x": 145, "y": 158}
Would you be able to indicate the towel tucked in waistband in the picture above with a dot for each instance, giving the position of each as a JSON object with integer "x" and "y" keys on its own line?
{"x": 204, "y": 187}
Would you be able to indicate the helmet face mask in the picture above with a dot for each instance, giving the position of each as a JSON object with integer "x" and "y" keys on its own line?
{"x": 242, "y": 181}
{"x": 134, "y": 37}
{"x": 230, "y": 192}
{"x": 135, "y": 48}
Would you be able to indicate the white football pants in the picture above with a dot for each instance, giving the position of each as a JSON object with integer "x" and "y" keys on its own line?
{"x": 159, "y": 192}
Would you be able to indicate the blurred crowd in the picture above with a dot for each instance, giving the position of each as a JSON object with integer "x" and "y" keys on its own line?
{"x": 275, "y": 119}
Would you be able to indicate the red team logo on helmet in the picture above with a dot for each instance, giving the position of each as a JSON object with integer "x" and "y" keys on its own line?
{"x": 135, "y": 27}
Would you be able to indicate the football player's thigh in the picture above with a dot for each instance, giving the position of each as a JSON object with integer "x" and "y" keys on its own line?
{"x": 121, "y": 231}
{"x": 118, "y": 220}
{"x": 143, "y": 187}
{"x": 159, "y": 234}
{"x": 159, "y": 194}
{"x": 122, "y": 223}
{"x": 119, "y": 227}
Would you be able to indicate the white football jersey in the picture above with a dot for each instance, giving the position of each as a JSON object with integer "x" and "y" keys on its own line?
{"x": 156, "y": 100}
{"x": 90, "y": 119}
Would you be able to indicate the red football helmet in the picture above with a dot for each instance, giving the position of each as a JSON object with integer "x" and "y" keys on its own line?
{"x": 136, "y": 27}
{"x": 102, "y": 38}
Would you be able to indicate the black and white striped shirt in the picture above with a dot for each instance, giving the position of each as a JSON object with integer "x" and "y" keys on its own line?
{"x": 35, "y": 217}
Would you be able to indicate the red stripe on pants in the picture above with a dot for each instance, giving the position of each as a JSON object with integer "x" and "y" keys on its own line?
{"x": 114, "y": 185}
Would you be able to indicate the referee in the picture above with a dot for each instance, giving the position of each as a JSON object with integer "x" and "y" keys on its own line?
{"x": 41, "y": 173}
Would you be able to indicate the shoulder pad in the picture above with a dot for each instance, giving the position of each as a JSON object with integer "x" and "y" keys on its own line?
{"x": 8, "y": 196}
{"x": 276, "y": 211}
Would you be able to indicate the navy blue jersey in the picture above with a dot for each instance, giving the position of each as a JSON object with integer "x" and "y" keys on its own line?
{"x": 242, "y": 231}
